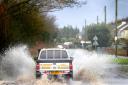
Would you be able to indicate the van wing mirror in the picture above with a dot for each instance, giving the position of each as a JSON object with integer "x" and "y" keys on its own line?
{"x": 39, "y": 50}
{"x": 35, "y": 58}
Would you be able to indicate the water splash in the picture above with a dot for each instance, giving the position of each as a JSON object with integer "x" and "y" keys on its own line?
{"x": 89, "y": 66}
{"x": 16, "y": 62}
{"x": 92, "y": 68}
{"x": 90, "y": 61}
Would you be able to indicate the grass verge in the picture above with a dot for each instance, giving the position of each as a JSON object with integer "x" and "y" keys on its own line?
{"x": 120, "y": 60}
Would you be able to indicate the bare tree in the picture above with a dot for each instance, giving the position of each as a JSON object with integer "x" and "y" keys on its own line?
{"x": 44, "y": 5}
{"x": 15, "y": 8}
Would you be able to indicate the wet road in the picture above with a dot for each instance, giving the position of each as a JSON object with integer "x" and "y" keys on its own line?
{"x": 105, "y": 72}
{"x": 90, "y": 68}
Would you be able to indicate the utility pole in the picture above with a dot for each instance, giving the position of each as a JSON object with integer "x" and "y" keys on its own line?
{"x": 105, "y": 15}
{"x": 85, "y": 22}
{"x": 116, "y": 16}
{"x": 85, "y": 30}
{"x": 97, "y": 19}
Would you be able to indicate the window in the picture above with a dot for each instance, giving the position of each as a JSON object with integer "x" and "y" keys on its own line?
{"x": 43, "y": 55}
{"x": 57, "y": 54}
{"x": 53, "y": 54}
{"x": 64, "y": 54}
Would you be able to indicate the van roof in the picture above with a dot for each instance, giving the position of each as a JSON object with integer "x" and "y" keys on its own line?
{"x": 52, "y": 49}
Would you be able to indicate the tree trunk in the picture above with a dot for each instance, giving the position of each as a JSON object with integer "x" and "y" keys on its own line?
{"x": 3, "y": 28}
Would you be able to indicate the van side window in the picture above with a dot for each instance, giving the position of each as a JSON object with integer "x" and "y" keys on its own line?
{"x": 64, "y": 54}
{"x": 43, "y": 55}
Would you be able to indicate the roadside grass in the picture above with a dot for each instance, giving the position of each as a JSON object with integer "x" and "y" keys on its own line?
{"x": 120, "y": 52}
{"x": 120, "y": 60}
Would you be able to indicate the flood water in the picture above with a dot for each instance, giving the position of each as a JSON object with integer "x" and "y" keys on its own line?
{"x": 90, "y": 68}
{"x": 99, "y": 67}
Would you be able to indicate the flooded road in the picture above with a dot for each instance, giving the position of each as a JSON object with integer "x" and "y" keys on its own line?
{"x": 99, "y": 68}
{"x": 90, "y": 68}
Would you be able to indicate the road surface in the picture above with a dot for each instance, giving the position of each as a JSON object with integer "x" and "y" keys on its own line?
{"x": 90, "y": 68}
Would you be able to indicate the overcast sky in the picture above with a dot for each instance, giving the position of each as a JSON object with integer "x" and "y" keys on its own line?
{"x": 76, "y": 16}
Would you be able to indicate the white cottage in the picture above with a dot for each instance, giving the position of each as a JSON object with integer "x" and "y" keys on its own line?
{"x": 123, "y": 30}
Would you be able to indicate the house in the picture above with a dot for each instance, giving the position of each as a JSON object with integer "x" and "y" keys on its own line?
{"x": 123, "y": 30}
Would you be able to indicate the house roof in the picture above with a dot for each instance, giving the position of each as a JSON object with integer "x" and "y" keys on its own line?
{"x": 123, "y": 26}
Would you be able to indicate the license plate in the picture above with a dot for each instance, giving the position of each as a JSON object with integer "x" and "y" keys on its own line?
{"x": 55, "y": 72}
